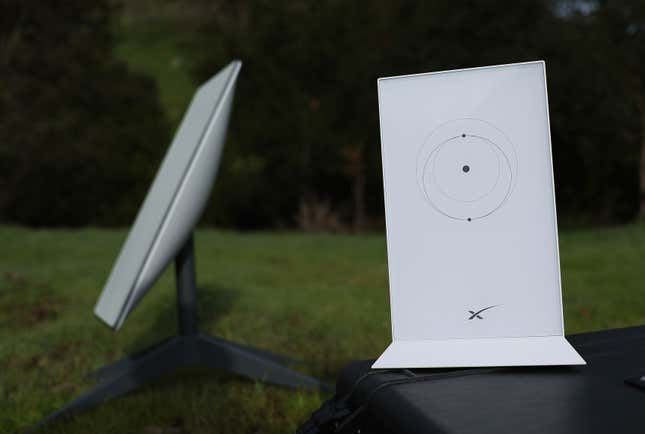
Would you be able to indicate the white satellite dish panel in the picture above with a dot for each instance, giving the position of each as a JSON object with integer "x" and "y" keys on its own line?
{"x": 175, "y": 200}
{"x": 471, "y": 224}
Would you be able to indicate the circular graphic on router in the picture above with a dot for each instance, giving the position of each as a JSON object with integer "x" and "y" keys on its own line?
{"x": 467, "y": 169}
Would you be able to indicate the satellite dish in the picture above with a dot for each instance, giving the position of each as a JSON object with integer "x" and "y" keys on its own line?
{"x": 162, "y": 232}
{"x": 175, "y": 201}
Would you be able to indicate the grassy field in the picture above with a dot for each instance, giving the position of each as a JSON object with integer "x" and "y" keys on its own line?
{"x": 320, "y": 298}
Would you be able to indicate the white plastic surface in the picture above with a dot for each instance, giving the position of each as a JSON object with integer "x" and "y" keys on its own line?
{"x": 175, "y": 201}
{"x": 464, "y": 353}
{"x": 470, "y": 210}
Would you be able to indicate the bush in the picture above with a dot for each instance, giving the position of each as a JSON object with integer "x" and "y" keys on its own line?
{"x": 81, "y": 135}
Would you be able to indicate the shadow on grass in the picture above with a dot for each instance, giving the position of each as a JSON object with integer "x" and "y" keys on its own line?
{"x": 196, "y": 401}
{"x": 213, "y": 302}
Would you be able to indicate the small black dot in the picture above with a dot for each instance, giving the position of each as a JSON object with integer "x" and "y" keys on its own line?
{"x": 463, "y": 135}
{"x": 466, "y": 168}
{"x": 469, "y": 219}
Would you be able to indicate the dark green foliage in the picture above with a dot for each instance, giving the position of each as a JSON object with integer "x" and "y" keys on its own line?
{"x": 594, "y": 126}
{"x": 81, "y": 135}
{"x": 306, "y": 122}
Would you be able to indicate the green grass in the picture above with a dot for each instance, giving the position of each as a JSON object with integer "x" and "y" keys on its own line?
{"x": 321, "y": 298}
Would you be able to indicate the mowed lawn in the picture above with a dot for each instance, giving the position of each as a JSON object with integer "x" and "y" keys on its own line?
{"x": 320, "y": 298}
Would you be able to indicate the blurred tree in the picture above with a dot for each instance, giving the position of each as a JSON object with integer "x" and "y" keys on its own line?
{"x": 304, "y": 142}
{"x": 593, "y": 122}
{"x": 307, "y": 103}
{"x": 81, "y": 135}
{"x": 623, "y": 22}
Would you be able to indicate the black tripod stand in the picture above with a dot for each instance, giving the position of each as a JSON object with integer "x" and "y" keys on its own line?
{"x": 188, "y": 349}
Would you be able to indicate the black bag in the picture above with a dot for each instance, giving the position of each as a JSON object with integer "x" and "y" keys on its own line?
{"x": 605, "y": 396}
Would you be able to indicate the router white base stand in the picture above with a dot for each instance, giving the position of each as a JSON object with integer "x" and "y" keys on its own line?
{"x": 462, "y": 353}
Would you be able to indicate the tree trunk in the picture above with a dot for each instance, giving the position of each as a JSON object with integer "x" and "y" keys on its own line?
{"x": 355, "y": 169}
{"x": 641, "y": 107}
{"x": 359, "y": 196}
{"x": 641, "y": 213}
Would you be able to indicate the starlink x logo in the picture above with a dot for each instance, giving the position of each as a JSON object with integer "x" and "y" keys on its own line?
{"x": 477, "y": 314}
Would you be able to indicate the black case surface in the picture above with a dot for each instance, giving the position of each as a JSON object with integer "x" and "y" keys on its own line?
{"x": 574, "y": 400}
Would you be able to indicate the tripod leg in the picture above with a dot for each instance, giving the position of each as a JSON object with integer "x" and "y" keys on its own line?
{"x": 265, "y": 354}
{"x": 221, "y": 354}
{"x": 139, "y": 371}
{"x": 122, "y": 365}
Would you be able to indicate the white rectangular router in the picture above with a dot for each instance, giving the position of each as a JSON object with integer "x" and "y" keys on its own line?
{"x": 472, "y": 234}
